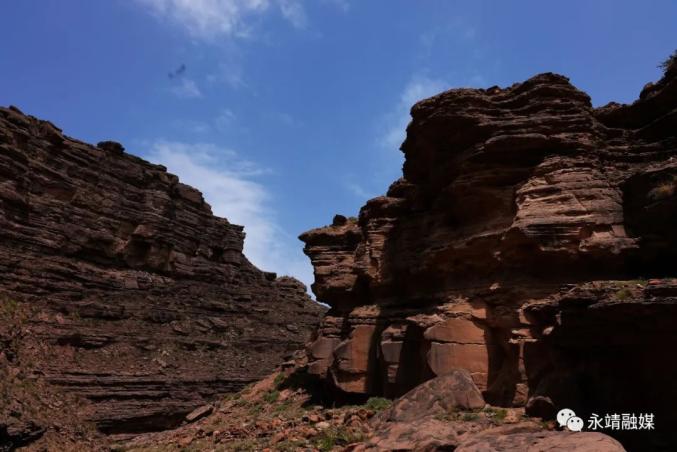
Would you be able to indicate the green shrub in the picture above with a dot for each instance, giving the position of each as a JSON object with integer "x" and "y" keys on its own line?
{"x": 327, "y": 439}
{"x": 470, "y": 417}
{"x": 496, "y": 414}
{"x": 279, "y": 380}
{"x": 377, "y": 403}
{"x": 271, "y": 396}
{"x": 623, "y": 294}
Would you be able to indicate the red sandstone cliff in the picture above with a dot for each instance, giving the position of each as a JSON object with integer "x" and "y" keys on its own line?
{"x": 119, "y": 285}
{"x": 529, "y": 241}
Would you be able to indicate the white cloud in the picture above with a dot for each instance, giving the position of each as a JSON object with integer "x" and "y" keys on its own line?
{"x": 224, "y": 119}
{"x": 417, "y": 89}
{"x": 209, "y": 19}
{"x": 230, "y": 73}
{"x": 286, "y": 119}
{"x": 187, "y": 89}
{"x": 293, "y": 11}
{"x": 343, "y": 5}
{"x": 196, "y": 127}
{"x": 229, "y": 185}
{"x": 459, "y": 30}
{"x": 358, "y": 189}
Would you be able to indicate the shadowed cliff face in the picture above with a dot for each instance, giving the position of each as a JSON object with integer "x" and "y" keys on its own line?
{"x": 134, "y": 295}
{"x": 531, "y": 240}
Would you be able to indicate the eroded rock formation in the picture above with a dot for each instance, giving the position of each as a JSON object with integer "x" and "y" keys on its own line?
{"x": 531, "y": 241}
{"x": 134, "y": 295}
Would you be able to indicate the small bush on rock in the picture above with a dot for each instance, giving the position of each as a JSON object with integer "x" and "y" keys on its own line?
{"x": 377, "y": 403}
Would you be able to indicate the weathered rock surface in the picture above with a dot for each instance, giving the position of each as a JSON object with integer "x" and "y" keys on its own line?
{"x": 278, "y": 414}
{"x": 430, "y": 434}
{"x": 448, "y": 413}
{"x": 517, "y": 245}
{"x": 510, "y": 438}
{"x": 439, "y": 396}
{"x": 140, "y": 300}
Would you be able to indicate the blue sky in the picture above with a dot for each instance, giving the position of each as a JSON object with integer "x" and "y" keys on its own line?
{"x": 289, "y": 111}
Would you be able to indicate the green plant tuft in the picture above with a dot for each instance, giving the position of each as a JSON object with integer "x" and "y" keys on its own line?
{"x": 279, "y": 380}
{"x": 470, "y": 417}
{"x": 333, "y": 437}
{"x": 623, "y": 294}
{"x": 377, "y": 403}
{"x": 496, "y": 414}
{"x": 271, "y": 396}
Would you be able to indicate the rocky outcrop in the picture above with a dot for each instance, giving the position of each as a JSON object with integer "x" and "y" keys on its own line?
{"x": 442, "y": 414}
{"x": 440, "y": 396}
{"x": 529, "y": 241}
{"x": 138, "y": 298}
{"x": 448, "y": 413}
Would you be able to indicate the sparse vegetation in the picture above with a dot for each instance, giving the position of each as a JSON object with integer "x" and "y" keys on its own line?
{"x": 665, "y": 65}
{"x": 470, "y": 417}
{"x": 623, "y": 294}
{"x": 8, "y": 307}
{"x": 245, "y": 445}
{"x": 289, "y": 446}
{"x": 271, "y": 396}
{"x": 283, "y": 408}
{"x": 332, "y": 437}
{"x": 497, "y": 415}
{"x": 377, "y": 404}
{"x": 467, "y": 416}
{"x": 279, "y": 380}
{"x": 255, "y": 409}
{"x": 447, "y": 417}
{"x": 501, "y": 413}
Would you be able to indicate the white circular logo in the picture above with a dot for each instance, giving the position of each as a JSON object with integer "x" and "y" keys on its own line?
{"x": 564, "y": 415}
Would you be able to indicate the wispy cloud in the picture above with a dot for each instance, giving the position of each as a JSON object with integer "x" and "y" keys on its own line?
{"x": 224, "y": 119}
{"x": 343, "y": 5}
{"x": 459, "y": 30}
{"x": 186, "y": 89}
{"x": 396, "y": 121}
{"x": 293, "y": 11}
{"x": 207, "y": 18}
{"x": 196, "y": 127}
{"x": 210, "y": 19}
{"x": 231, "y": 185}
{"x": 230, "y": 74}
{"x": 358, "y": 189}
{"x": 285, "y": 119}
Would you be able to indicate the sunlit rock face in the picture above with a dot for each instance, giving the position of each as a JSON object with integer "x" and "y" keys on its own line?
{"x": 140, "y": 299}
{"x": 531, "y": 241}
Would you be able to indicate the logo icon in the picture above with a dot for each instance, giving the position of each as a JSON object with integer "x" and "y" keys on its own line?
{"x": 575, "y": 424}
{"x": 564, "y": 415}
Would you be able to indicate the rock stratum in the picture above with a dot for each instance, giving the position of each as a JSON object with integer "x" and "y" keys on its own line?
{"x": 532, "y": 240}
{"x": 120, "y": 287}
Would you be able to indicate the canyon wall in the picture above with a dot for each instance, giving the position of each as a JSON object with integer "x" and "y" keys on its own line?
{"x": 532, "y": 240}
{"x": 119, "y": 285}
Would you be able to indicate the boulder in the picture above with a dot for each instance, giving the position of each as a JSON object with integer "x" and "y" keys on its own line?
{"x": 441, "y": 395}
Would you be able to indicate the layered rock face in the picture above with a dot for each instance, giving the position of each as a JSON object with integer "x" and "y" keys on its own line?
{"x": 138, "y": 298}
{"x": 531, "y": 241}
